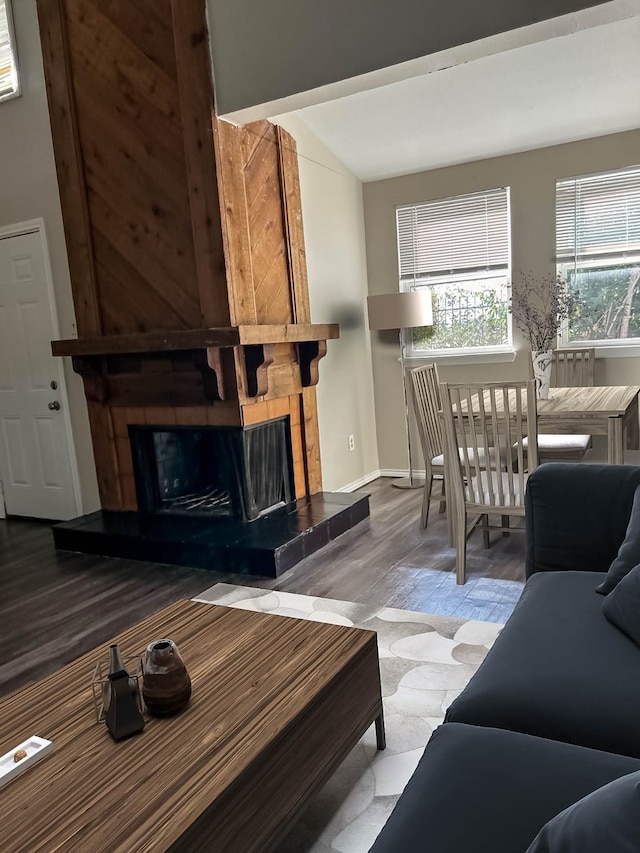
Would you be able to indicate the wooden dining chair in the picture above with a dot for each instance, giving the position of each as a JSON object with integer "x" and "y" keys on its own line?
{"x": 428, "y": 409}
{"x": 426, "y": 401}
{"x": 495, "y": 416}
{"x": 570, "y": 368}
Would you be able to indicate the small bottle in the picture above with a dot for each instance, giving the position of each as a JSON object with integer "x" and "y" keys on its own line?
{"x": 116, "y": 664}
{"x": 117, "y": 669}
{"x": 121, "y": 698}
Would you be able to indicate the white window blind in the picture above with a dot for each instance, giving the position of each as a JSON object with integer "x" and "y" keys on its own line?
{"x": 598, "y": 216}
{"x": 8, "y": 64}
{"x": 464, "y": 234}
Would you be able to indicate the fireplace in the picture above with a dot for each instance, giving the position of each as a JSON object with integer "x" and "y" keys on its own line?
{"x": 238, "y": 473}
{"x": 195, "y": 340}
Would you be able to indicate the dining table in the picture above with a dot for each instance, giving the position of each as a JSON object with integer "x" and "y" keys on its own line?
{"x": 610, "y": 410}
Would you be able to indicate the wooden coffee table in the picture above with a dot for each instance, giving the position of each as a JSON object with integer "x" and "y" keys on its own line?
{"x": 277, "y": 704}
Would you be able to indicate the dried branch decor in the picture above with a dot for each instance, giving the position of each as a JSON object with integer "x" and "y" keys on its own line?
{"x": 540, "y": 307}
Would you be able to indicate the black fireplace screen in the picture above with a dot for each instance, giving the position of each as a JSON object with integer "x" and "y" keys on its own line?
{"x": 230, "y": 472}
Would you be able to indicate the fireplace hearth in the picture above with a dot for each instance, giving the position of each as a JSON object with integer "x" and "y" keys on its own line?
{"x": 265, "y": 547}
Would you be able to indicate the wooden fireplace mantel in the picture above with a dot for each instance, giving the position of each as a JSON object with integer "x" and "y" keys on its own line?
{"x": 250, "y": 351}
{"x": 186, "y": 339}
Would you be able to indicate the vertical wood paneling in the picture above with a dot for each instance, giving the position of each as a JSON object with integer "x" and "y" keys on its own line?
{"x": 311, "y": 435}
{"x": 267, "y": 236}
{"x": 104, "y": 452}
{"x": 197, "y": 110}
{"x": 140, "y": 183}
{"x": 292, "y": 212}
{"x": 235, "y": 225}
{"x": 69, "y": 166}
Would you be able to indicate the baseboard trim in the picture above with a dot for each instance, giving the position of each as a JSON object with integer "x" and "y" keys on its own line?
{"x": 358, "y": 484}
{"x": 401, "y": 472}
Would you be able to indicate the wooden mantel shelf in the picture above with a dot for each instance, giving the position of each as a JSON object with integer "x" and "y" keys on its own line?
{"x": 189, "y": 339}
{"x": 222, "y": 358}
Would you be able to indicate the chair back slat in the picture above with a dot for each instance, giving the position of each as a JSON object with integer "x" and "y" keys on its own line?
{"x": 573, "y": 368}
{"x": 532, "y": 428}
{"x": 470, "y": 438}
{"x": 483, "y": 423}
{"x": 494, "y": 438}
{"x": 427, "y": 406}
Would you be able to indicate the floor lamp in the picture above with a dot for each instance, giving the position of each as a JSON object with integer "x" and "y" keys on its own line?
{"x": 402, "y": 311}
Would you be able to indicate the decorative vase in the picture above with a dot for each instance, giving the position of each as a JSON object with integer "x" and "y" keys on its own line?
{"x": 121, "y": 699}
{"x": 542, "y": 360}
{"x": 166, "y": 686}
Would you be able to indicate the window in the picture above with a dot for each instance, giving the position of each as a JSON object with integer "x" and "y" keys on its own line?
{"x": 9, "y": 83}
{"x": 598, "y": 252}
{"x": 459, "y": 248}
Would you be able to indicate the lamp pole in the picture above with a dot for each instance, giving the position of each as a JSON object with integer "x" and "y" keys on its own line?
{"x": 402, "y": 310}
{"x": 406, "y": 483}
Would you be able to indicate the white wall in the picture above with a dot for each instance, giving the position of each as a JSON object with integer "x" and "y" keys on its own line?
{"x": 263, "y": 51}
{"x": 29, "y": 190}
{"x": 334, "y": 239}
{"x": 531, "y": 176}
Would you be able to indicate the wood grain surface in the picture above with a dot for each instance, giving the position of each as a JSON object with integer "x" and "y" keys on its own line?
{"x": 603, "y": 401}
{"x": 277, "y": 703}
{"x": 606, "y": 400}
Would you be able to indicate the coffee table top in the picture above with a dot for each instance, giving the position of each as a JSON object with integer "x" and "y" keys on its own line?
{"x": 252, "y": 675}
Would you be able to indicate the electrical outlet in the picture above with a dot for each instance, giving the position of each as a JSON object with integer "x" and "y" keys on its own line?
{"x": 352, "y": 442}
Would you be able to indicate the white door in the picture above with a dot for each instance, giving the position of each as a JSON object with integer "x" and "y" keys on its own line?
{"x": 35, "y": 455}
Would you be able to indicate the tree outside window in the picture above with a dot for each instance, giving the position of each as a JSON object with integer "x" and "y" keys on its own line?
{"x": 598, "y": 252}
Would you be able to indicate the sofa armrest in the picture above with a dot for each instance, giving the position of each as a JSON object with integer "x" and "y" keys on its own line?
{"x": 577, "y": 515}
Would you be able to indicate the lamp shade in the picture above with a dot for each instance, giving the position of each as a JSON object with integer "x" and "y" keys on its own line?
{"x": 400, "y": 310}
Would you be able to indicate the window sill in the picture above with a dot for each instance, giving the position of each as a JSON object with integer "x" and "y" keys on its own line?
{"x": 620, "y": 351}
{"x": 465, "y": 357}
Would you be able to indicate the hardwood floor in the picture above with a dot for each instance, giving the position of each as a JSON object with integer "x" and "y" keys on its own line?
{"x": 56, "y": 605}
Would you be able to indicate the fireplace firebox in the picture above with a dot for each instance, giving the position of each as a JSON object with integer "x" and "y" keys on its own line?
{"x": 238, "y": 473}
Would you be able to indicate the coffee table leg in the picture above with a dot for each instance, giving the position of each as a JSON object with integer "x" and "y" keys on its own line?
{"x": 381, "y": 739}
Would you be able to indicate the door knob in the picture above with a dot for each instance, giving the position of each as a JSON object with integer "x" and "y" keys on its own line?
{"x": 55, "y": 406}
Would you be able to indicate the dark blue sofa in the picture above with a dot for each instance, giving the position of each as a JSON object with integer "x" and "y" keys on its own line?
{"x": 554, "y": 710}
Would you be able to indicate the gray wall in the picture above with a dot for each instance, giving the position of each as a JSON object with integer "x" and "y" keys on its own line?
{"x": 29, "y": 190}
{"x": 531, "y": 176}
{"x": 267, "y": 49}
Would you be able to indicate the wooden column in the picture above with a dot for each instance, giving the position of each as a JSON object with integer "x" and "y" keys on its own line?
{"x": 184, "y": 235}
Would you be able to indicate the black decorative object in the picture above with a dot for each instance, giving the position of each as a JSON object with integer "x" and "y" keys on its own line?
{"x": 166, "y": 686}
{"x": 117, "y": 696}
{"x": 217, "y": 472}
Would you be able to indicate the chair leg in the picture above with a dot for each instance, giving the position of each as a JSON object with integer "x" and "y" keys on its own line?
{"x": 460, "y": 536}
{"x": 443, "y": 497}
{"x": 505, "y": 523}
{"x": 426, "y": 501}
{"x": 486, "y": 543}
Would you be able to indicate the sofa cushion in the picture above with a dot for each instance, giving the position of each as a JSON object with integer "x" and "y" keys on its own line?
{"x": 622, "y": 605}
{"x": 489, "y": 790}
{"x": 577, "y": 515}
{"x": 629, "y": 552}
{"x": 606, "y": 819}
{"x": 559, "y": 669}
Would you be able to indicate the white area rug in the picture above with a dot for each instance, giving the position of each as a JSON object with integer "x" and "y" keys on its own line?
{"x": 425, "y": 661}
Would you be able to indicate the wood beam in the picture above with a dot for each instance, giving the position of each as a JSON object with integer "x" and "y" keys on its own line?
{"x": 69, "y": 165}
{"x": 195, "y": 87}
